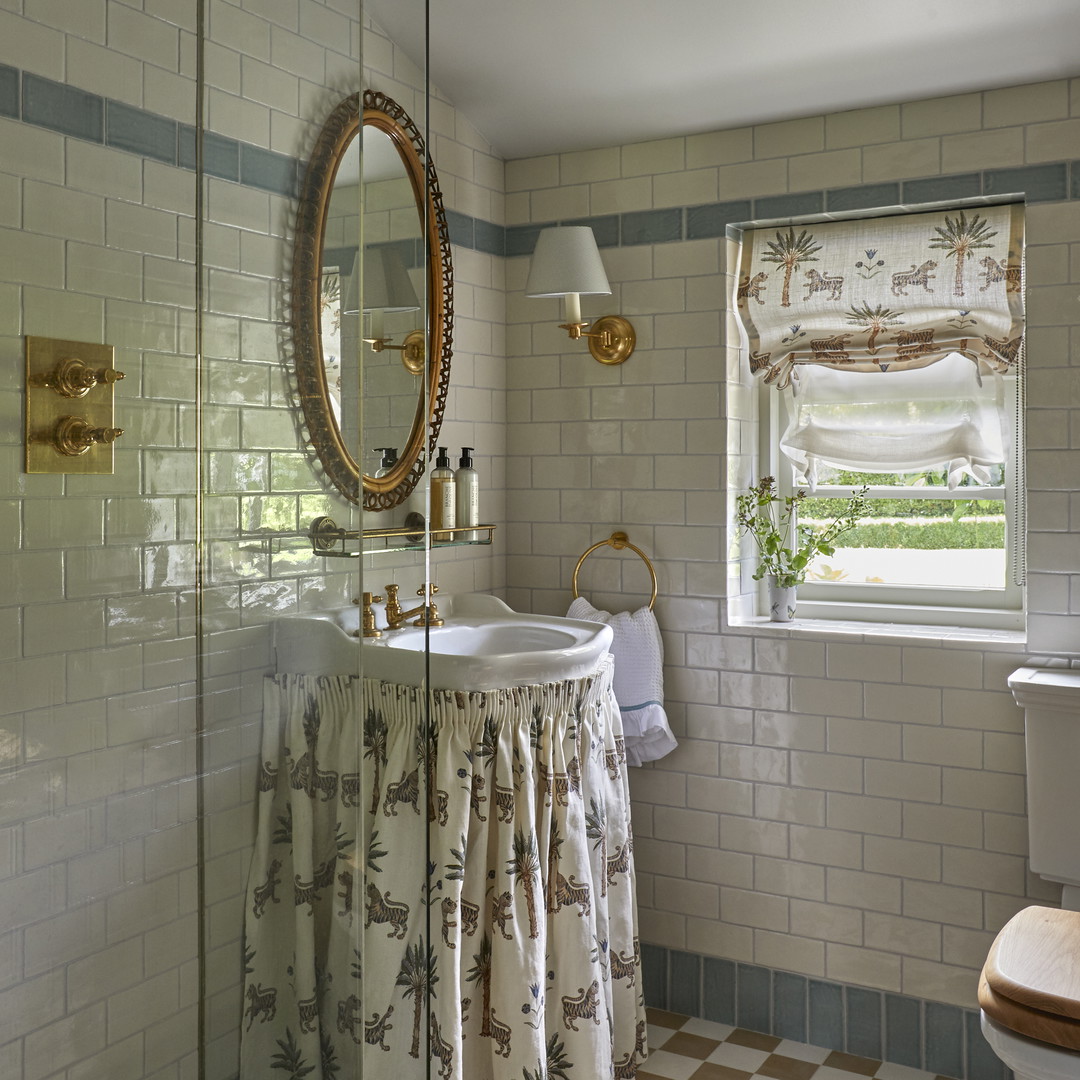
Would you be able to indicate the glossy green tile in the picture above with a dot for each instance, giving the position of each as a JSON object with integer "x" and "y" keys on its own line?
{"x": 944, "y": 1053}
{"x": 942, "y": 188}
{"x": 652, "y": 226}
{"x": 789, "y": 1006}
{"x": 269, "y": 171}
{"x": 140, "y": 132}
{"x": 863, "y": 197}
{"x": 9, "y": 91}
{"x": 684, "y": 983}
{"x": 752, "y": 997}
{"x": 712, "y": 219}
{"x": 863, "y": 1022}
{"x": 605, "y": 228}
{"x": 1037, "y": 183}
{"x": 718, "y": 990}
{"x": 903, "y": 1030}
{"x": 826, "y": 1014}
{"x": 63, "y": 108}
{"x": 789, "y": 206}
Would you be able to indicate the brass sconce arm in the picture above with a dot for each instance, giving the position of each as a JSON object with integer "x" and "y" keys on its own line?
{"x": 411, "y": 349}
{"x": 611, "y": 340}
{"x": 566, "y": 262}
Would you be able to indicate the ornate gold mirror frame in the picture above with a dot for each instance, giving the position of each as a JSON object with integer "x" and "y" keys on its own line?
{"x": 343, "y": 125}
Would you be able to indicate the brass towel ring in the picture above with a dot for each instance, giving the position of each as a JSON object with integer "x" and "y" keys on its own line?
{"x": 618, "y": 541}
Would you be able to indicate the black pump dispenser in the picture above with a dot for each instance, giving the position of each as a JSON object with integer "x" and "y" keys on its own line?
{"x": 468, "y": 495}
{"x": 443, "y": 460}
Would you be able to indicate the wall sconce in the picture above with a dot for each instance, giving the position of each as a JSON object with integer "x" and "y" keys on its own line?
{"x": 387, "y": 289}
{"x": 566, "y": 263}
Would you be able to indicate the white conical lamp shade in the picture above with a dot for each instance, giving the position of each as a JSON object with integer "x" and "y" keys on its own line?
{"x": 566, "y": 260}
{"x": 387, "y": 286}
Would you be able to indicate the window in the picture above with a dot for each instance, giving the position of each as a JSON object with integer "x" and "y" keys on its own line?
{"x": 927, "y": 553}
{"x": 906, "y": 381}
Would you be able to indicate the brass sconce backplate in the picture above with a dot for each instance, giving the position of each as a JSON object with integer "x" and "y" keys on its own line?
{"x": 69, "y": 406}
{"x": 611, "y": 339}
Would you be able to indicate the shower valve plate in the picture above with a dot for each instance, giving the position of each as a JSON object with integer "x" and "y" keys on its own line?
{"x": 47, "y": 407}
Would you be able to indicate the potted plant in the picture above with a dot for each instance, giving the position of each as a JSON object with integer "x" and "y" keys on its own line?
{"x": 786, "y": 548}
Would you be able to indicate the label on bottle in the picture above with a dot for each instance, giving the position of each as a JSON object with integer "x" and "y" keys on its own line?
{"x": 468, "y": 504}
{"x": 443, "y": 507}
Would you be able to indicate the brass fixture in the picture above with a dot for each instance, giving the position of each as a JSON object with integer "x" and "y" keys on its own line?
{"x": 330, "y": 539}
{"x": 74, "y": 436}
{"x": 428, "y": 612}
{"x": 73, "y": 378}
{"x": 58, "y": 373}
{"x": 566, "y": 262}
{"x": 412, "y": 350}
{"x": 368, "y": 628}
{"x": 611, "y": 340}
{"x": 617, "y": 540}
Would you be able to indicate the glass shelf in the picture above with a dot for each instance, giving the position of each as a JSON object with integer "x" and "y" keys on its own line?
{"x": 328, "y": 539}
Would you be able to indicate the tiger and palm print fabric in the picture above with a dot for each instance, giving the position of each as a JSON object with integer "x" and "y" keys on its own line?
{"x": 884, "y": 293}
{"x": 442, "y": 887}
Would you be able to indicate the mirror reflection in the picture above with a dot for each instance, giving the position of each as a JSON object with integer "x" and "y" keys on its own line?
{"x": 377, "y": 293}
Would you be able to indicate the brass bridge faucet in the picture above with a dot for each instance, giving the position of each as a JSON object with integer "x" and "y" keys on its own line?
{"x": 428, "y": 612}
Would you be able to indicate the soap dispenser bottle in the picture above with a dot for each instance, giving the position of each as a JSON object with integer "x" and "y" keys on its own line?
{"x": 467, "y": 483}
{"x": 389, "y": 459}
{"x": 443, "y": 497}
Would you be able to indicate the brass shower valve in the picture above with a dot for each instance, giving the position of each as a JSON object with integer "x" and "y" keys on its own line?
{"x": 74, "y": 436}
{"x": 73, "y": 378}
{"x": 62, "y": 376}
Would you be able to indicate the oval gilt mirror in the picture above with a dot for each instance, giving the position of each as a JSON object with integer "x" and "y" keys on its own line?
{"x": 388, "y": 302}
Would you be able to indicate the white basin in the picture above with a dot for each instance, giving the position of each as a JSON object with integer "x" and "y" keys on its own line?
{"x": 483, "y": 645}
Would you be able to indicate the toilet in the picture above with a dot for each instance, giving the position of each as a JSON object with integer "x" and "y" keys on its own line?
{"x": 1029, "y": 990}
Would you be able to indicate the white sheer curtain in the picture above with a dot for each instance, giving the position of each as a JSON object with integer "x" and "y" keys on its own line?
{"x": 951, "y": 412}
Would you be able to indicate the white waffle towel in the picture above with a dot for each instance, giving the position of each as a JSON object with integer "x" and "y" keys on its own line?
{"x": 638, "y": 679}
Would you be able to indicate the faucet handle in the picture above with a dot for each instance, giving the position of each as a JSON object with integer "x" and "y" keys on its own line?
{"x": 367, "y": 626}
{"x": 427, "y": 589}
{"x": 392, "y": 591}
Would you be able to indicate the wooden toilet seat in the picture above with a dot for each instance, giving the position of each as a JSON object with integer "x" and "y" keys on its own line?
{"x": 1030, "y": 982}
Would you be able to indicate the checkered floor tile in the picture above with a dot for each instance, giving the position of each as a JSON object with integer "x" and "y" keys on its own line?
{"x": 685, "y": 1048}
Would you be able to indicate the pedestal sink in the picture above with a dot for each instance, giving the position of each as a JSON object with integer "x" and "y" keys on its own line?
{"x": 484, "y": 645}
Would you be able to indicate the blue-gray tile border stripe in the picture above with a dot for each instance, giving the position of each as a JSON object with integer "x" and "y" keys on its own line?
{"x": 875, "y": 1024}
{"x": 1054, "y": 182}
{"x": 141, "y": 132}
{"x": 9, "y": 91}
{"x": 62, "y": 108}
{"x": 57, "y": 106}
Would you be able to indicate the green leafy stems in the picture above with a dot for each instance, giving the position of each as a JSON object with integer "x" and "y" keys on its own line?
{"x": 786, "y": 548}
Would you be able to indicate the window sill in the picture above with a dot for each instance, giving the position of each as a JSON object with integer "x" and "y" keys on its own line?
{"x": 882, "y": 632}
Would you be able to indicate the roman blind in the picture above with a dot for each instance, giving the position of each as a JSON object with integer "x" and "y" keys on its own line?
{"x": 884, "y": 294}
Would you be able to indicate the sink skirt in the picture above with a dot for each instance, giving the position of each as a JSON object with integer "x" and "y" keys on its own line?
{"x": 470, "y": 856}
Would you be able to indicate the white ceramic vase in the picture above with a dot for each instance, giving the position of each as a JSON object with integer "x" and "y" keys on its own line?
{"x": 781, "y": 602}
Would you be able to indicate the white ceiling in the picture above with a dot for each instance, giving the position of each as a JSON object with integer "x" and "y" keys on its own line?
{"x": 544, "y": 76}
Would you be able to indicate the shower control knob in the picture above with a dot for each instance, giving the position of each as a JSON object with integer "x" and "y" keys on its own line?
{"x": 73, "y": 436}
{"x": 73, "y": 378}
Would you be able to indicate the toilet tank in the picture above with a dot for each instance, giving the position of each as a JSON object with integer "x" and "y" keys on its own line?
{"x": 1050, "y": 698}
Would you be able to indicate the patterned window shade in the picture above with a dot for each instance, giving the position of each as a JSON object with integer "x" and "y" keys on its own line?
{"x": 885, "y": 294}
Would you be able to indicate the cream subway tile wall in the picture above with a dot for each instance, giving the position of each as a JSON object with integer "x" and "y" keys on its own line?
{"x": 857, "y": 797}
{"x": 101, "y": 636}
